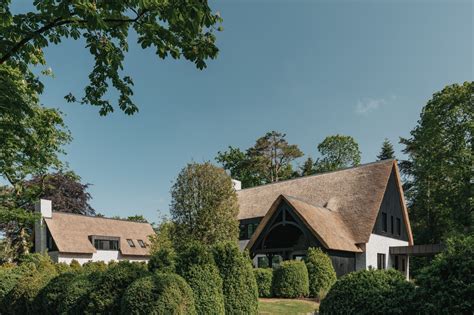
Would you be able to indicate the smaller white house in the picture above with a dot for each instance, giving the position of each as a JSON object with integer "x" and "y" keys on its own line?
{"x": 66, "y": 236}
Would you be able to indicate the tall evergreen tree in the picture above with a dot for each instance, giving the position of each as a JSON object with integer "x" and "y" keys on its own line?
{"x": 386, "y": 152}
{"x": 307, "y": 168}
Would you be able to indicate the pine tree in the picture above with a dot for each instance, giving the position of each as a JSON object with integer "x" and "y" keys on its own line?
{"x": 386, "y": 152}
{"x": 307, "y": 168}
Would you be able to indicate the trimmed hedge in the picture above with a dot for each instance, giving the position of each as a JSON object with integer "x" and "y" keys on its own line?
{"x": 290, "y": 280}
{"x": 239, "y": 285}
{"x": 370, "y": 292}
{"x": 48, "y": 299}
{"x": 321, "y": 272}
{"x": 158, "y": 294}
{"x": 448, "y": 282}
{"x": 264, "y": 277}
{"x": 196, "y": 265}
{"x": 108, "y": 291}
{"x": 9, "y": 276}
{"x": 76, "y": 295}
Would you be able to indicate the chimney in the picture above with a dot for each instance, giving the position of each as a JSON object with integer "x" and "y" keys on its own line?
{"x": 237, "y": 184}
{"x": 44, "y": 208}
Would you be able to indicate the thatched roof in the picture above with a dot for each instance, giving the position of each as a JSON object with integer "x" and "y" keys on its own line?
{"x": 347, "y": 201}
{"x": 71, "y": 233}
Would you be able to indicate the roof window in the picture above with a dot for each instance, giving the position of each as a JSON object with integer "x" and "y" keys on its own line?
{"x": 130, "y": 242}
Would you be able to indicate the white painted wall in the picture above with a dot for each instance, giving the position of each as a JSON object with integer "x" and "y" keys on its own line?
{"x": 44, "y": 208}
{"x": 378, "y": 244}
{"x": 101, "y": 255}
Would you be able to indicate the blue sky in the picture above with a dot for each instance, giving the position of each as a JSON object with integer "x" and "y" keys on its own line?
{"x": 306, "y": 68}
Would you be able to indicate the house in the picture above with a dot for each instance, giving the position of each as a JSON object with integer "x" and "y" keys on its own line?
{"x": 66, "y": 236}
{"x": 355, "y": 215}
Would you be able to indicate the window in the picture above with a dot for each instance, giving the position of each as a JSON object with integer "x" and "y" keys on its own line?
{"x": 262, "y": 262}
{"x": 243, "y": 232}
{"x": 106, "y": 244}
{"x": 380, "y": 261}
{"x": 384, "y": 221}
{"x": 391, "y": 224}
{"x": 130, "y": 242}
{"x": 403, "y": 264}
{"x": 399, "y": 226}
{"x": 141, "y": 243}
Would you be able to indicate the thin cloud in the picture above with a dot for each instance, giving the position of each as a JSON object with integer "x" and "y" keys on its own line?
{"x": 369, "y": 105}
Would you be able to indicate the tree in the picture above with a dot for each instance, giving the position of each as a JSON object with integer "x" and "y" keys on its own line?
{"x": 175, "y": 28}
{"x": 268, "y": 161}
{"x": 204, "y": 205}
{"x": 337, "y": 152}
{"x": 30, "y": 145}
{"x": 438, "y": 171}
{"x": 65, "y": 190}
{"x": 137, "y": 218}
{"x": 273, "y": 156}
{"x": 386, "y": 152}
{"x": 307, "y": 168}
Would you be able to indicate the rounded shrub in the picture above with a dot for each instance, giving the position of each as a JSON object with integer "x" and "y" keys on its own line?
{"x": 370, "y": 292}
{"x": 108, "y": 291}
{"x": 9, "y": 276}
{"x": 290, "y": 280}
{"x": 239, "y": 285}
{"x": 448, "y": 282}
{"x": 48, "y": 299}
{"x": 164, "y": 260}
{"x": 158, "y": 294}
{"x": 196, "y": 265}
{"x": 264, "y": 277}
{"x": 321, "y": 272}
{"x": 38, "y": 270}
{"x": 76, "y": 295}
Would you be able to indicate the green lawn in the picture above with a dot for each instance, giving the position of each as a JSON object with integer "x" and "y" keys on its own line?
{"x": 286, "y": 306}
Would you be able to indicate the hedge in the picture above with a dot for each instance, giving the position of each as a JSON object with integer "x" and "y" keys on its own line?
{"x": 108, "y": 291}
{"x": 196, "y": 265}
{"x": 164, "y": 260}
{"x": 164, "y": 293}
{"x": 290, "y": 280}
{"x": 76, "y": 295}
{"x": 49, "y": 297}
{"x": 239, "y": 285}
{"x": 321, "y": 272}
{"x": 9, "y": 276}
{"x": 370, "y": 292}
{"x": 264, "y": 277}
{"x": 448, "y": 282}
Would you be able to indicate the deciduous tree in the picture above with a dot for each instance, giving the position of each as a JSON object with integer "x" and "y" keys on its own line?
{"x": 438, "y": 170}
{"x": 172, "y": 28}
{"x": 204, "y": 205}
{"x": 337, "y": 152}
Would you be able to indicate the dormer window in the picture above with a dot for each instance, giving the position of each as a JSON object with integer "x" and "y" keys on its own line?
{"x": 130, "y": 242}
{"x": 141, "y": 243}
{"x": 105, "y": 242}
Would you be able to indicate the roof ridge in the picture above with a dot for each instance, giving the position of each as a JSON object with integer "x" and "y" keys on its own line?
{"x": 321, "y": 174}
{"x": 98, "y": 217}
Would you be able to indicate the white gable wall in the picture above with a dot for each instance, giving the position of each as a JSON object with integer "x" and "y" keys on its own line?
{"x": 101, "y": 255}
{"x": 378, "y": 244}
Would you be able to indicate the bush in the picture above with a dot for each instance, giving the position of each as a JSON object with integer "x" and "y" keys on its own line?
{"x": 9, "y": 276}
{"x": 321, "y": 273}
{"x": 76, "y": 295}
{"x": 239, "y": 285}
{"x": 164, "y": 260}
{"x": 196, "y": 265}
{"x": 264, "y": 277}
{"x": 370, "y": 292}
{"x": 48, "y": 299}
{"x": 448, "y": 283}
{"x": 37, "y": 271}
{"x": 158, "y": 294}
{"x": 108, "y": 291}
{"x": 290, "y": 280}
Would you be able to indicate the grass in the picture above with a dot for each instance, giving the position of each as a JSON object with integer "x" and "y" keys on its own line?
{"x": 286, "y": 306}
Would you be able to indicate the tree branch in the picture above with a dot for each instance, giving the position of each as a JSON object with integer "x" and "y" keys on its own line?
{"x": 55, "y": 23}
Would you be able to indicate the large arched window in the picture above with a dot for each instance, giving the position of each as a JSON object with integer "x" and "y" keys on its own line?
{"x": 284, "y": 236}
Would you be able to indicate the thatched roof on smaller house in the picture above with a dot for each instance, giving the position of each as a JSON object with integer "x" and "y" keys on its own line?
{"x": 72, "y": 232}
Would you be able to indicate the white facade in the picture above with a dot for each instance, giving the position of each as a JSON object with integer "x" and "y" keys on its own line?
{"x": 101, "y": 255}
{"x": 379, "y": 244}
{"x": 45, "y": 209}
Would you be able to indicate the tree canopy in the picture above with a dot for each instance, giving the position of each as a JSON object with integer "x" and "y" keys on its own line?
{"x": 204, "y": 205}
{"x": 268, "y": 161}
{"x": 438, "y": 170}
{"x": 386, "y": 152}
{"x": 337, "y": 152}
{"x": 173, "y": 28}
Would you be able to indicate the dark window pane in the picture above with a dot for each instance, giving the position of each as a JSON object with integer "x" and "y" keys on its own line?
{"x": 141, "y": 243}
{"x": 380, "y": 261}
{"x": 384, "y": 222}
{"x": 243, "y": 232}
{"x": 131, "y": 243}
{"x": 391, "y": 224}
{"x": 399, "y": 226}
